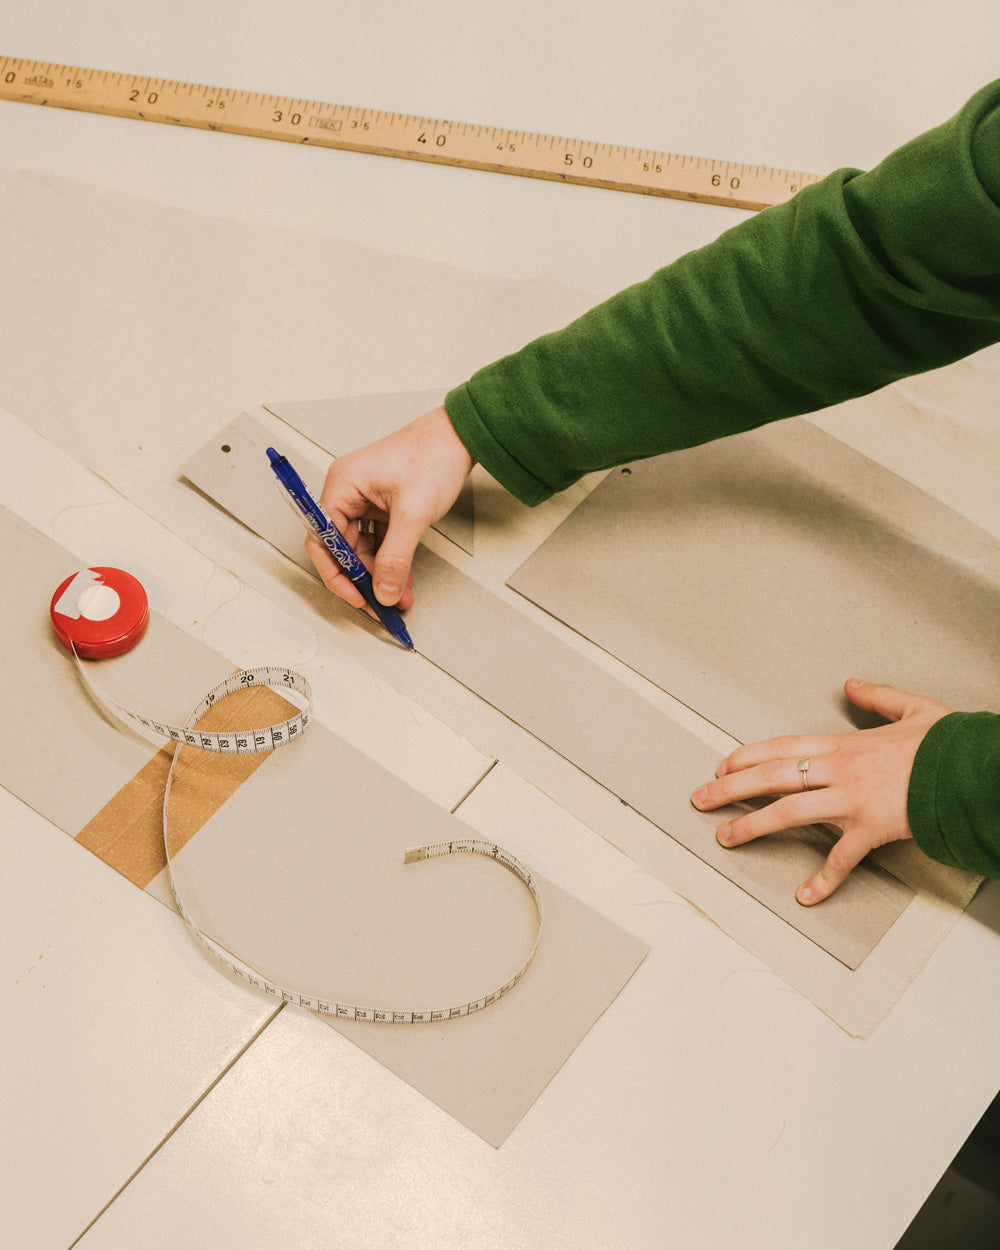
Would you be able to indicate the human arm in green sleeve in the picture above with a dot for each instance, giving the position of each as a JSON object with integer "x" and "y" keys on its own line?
{"x": 859, "y": 280}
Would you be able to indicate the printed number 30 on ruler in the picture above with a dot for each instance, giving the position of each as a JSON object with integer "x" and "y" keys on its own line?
{"x": 381, "y": 133}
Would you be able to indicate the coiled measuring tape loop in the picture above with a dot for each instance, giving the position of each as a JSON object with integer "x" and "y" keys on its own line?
{"x": 258, "y": 741}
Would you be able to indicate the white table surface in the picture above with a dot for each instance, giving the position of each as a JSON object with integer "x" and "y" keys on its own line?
{"x": 156, "y": 1104}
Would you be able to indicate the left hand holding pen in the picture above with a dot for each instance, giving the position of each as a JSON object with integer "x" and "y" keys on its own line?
{"x": 856, "y": 781}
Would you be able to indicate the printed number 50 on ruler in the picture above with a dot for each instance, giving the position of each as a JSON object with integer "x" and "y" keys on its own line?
{"x": 380, "y": 133}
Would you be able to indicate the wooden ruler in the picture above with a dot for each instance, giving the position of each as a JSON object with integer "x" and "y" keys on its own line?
{"x": 381, "y": 133}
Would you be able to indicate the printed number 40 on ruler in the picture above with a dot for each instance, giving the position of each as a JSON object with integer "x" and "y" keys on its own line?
{"x": 380, "y": 133}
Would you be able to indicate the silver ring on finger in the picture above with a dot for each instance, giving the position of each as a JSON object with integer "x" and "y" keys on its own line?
{"x": 803, "y": 767}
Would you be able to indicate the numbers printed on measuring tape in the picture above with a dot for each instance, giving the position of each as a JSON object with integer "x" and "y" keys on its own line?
{"x": 383, "y": 133}
{"x": 232, "y": 742}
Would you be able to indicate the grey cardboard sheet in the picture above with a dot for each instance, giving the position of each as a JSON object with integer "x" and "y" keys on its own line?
{"x": 588, "y": 716}
{"x": 302, "y": 868}
{"x": 342, "y": 425}
{"x": 304, "y": 877}
{"x": 753, "y": 575}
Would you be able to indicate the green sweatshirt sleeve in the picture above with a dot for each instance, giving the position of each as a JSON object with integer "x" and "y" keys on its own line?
{"x": 953, "y": 803}
{"x": 859, "y": 280}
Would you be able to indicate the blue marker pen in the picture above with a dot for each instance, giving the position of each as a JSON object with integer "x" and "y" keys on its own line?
{"x": 337, "y": 545}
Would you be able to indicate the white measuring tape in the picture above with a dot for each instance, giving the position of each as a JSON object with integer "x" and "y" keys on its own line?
{"x": 103, "y": 611}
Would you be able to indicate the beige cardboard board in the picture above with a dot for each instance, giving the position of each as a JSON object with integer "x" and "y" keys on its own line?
{"x": 302, "y": 874}
{"x": 302, "y": 870}
{"x": 344, "y": 424}
{"x": 753, "y": 575}
{"x": 588, "y": 716}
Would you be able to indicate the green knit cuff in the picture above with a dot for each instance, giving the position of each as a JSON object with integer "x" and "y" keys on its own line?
{"x": 953, "y": 803}
{"x": 489, "y": 451}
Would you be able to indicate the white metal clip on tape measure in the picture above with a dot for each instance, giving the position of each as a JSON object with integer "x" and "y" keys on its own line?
{"x": 101, "y": 612}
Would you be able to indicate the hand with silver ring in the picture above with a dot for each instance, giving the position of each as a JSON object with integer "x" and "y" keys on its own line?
{"x": 856, "y": 781}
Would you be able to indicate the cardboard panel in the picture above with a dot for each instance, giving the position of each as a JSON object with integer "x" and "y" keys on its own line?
{"x": 301, "y": 872}
{"x": 753, "y": 575}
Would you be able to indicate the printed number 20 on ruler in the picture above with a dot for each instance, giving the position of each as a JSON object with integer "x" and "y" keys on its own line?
{"x": 380, "y": 133}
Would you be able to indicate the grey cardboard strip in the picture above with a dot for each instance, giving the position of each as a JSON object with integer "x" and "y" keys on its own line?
{"x": 604, "y": 728}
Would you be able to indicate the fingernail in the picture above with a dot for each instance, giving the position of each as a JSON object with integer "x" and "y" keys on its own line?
{"x": 855, "y": 681}
{"x": 721, "y": 770}
{"x": 699, "y": 796}
{"x": 724, "y": 833}
{"x": 386, "y": 594}
{"x": 806, "y": 894}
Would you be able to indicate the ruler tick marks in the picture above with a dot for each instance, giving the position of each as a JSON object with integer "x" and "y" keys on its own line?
{"x": 470, "y": 146}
